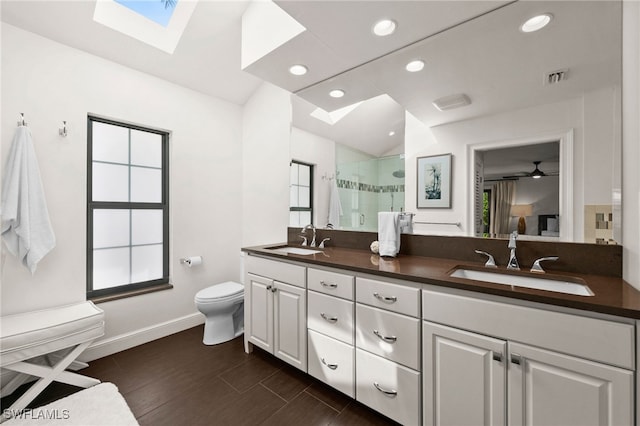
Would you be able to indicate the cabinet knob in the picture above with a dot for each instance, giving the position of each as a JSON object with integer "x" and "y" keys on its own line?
{"x": 331, "y": 366}
{"x": 274, "y": 289}
{"x": 385, "y": 299}
{"x": 328, "y": 285}
{"x": 269, "y": 287}
{"x": 388, "y": 339}
{"x": 328, "y": 318}
{"x": 388, "y": 392}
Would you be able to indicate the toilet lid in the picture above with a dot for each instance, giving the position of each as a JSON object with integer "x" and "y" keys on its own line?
{"x": 220, "y": 291}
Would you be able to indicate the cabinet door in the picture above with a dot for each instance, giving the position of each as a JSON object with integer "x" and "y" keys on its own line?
{"x": 549, "y": 388}
{"x": 290, "y": 324}
{"x": 260, "y": 312}
{"x": 464, "y": 377}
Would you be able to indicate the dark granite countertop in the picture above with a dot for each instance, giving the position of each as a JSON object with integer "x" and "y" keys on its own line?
{"x": 612, "y": 295}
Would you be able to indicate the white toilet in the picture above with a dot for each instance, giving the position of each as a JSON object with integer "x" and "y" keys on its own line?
{"x": 223, "y": 307}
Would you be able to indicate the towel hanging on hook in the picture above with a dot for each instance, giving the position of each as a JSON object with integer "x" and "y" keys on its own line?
{"x": 25, "y": 226}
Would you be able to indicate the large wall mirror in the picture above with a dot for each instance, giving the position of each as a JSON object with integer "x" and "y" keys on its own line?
{"x": 511, "y": 103}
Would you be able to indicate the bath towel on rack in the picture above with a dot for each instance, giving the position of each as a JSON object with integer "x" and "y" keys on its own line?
{"x": 335, "y": 207}
{"x": 26, "y": 228}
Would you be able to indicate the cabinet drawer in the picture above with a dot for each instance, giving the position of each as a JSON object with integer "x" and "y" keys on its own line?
{"x": 331, "y": 316}
{"x": 278, "y": 271}
{"x": 390, "y": 335}
{"x": 336, "y": 284}
{"x": 387, "y": 387}
{"x": 332, "y": 362}
{"x": 393, "y": 297}
{"x": 596, "y": 339}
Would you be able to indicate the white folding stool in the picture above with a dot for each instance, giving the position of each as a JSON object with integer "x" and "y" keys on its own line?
{"x": 61, "y": 332}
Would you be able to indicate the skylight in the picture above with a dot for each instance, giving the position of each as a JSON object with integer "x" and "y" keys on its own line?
{"x": 147, "y": 20}
{"x": 334, "y": 116}
{"x": 159, "y": 11}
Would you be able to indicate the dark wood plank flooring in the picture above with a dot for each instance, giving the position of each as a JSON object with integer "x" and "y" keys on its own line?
{"x": 177, "y": 380}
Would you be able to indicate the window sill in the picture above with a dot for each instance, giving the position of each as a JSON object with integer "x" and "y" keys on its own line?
{"x": 132, "y": 293}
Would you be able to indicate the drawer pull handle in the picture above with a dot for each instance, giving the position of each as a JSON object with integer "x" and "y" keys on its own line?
{"x": 497, "y": 356}
{"x": 385, "y": 299}
{"x": 269, "y": 287}
{"x": 328, "y": 318}
{"x": 331, "y": 366}
{"x": 390, "y": 393}
{"x": 328, "y": 285}
{"x": 388, "y": 339}
{"x": 516, "y": 358}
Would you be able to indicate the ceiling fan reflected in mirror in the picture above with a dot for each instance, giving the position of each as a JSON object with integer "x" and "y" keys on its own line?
{"x": 536, "y": 173}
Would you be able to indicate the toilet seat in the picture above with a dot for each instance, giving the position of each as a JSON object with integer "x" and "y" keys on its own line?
{"x": 220, "y": 292}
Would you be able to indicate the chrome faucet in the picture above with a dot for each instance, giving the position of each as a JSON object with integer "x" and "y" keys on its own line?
{"x": 536, "y": 265}
{"x": 513, "y": 261}
{"x": 321, "y": 245}
{"x": 313, "y": 241}
{"x": 491, "y": 263}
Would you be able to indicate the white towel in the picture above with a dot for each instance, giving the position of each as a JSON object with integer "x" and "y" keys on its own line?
{"x": 26, "y": 229}
{"x": 389, "y": 233}
{"x": 335, "y": 207}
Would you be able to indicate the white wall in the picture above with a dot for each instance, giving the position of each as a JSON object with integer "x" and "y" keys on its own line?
{"x": 321, "y": 152}
{"x": 266, "y": 130}
{"x": 631, "y": 142}
{"x": 503, "y": 129}
{"x": 51, "y": 82}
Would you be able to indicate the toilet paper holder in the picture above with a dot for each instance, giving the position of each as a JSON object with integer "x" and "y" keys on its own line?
{"x": 193, "y": 260}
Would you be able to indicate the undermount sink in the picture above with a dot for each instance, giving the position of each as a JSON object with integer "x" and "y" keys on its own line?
{"x": 538, "y": 283}
{"x": 294, "y": 250}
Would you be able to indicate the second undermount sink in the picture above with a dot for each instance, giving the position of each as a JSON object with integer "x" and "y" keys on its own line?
{"x": 294, "y": 250}
{"x": 538, "y": 283}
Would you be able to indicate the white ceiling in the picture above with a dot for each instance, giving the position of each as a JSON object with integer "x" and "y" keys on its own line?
{"x": 482, "y": 58}
{"x": 207, "y": 58}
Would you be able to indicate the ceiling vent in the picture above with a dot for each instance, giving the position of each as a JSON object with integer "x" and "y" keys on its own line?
{"x": 451, "y": 102}
{"x": 557, "y": 76}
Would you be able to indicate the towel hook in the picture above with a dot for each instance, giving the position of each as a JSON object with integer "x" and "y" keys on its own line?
{"x": 21, "y": 121}
{"x": 62, "y": 131}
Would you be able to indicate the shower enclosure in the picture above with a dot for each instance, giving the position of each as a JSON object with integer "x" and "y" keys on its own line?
{"x": 368, "y": 185}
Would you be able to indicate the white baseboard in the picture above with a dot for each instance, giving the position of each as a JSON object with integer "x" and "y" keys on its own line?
{"x": 111, "y": 345}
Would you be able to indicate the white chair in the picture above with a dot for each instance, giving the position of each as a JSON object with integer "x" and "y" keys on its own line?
{"x": 59, "y": 335}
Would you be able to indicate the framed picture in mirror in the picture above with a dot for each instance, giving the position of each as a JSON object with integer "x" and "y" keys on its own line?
{"x": 434, "y": 181}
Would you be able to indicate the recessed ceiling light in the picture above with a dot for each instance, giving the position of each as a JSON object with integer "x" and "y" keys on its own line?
{"x": 298, "y": 69}
{"x": 384, "y": 27}
{"x": 391, "y": 133}
{"x": 337, "y": 93}
{"x": 415, "y": 66}
{"x": 536, "y": 23}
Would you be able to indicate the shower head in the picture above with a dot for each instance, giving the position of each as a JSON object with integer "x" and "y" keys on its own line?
{"x": 398, "y": 173}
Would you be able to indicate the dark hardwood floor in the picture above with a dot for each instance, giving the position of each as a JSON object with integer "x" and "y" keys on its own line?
{"x": 177, "y": 380}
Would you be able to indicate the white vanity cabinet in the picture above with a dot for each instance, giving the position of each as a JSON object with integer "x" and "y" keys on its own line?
{"x": 388, "y": 349}
{"x": 559, "y": 368}
{"x": 275, "y": 309}
{"x": 330, "y": 322}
